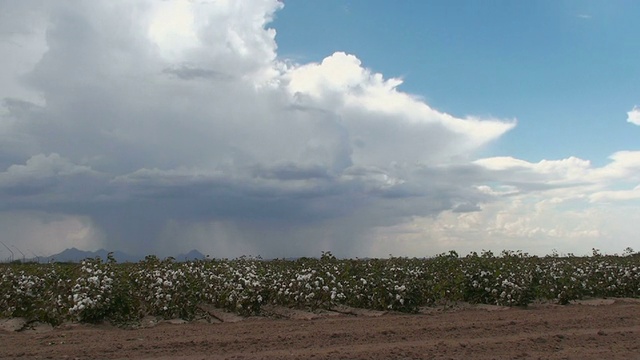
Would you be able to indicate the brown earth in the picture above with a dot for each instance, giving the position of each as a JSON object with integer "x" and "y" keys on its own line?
{"x": 597, "y": 329}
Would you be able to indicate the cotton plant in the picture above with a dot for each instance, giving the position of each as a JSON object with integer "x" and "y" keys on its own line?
{"x": 168, "y": 289}
{"x": 91, "y": 293}
{"x": 236, "y": 285}
{"x": 35, "y": 292}
{"x": 20, "y": 292}
{"x": 308, "y": 283}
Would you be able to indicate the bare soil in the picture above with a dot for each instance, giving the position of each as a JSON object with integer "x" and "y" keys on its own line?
{"x": 597, "y": 329}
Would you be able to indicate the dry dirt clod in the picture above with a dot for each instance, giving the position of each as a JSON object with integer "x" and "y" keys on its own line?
{"x": 288, "y": 313}
{"x": 220, "y": 314}
{"x": 358, "y": 312}
{"x": 14, "y": 324}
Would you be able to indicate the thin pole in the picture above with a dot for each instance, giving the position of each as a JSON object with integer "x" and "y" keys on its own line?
{"x": 24, "y": 258}
{"x": 5, "y": 245}
{"x": 34, "y": 254}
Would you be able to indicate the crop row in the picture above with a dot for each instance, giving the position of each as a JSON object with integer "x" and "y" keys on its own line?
{"x": 95, "y": 290}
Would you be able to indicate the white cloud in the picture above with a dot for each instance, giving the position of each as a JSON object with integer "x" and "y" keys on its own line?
{"x": 571, "y": 175}
{"x": 555, "y": 171}
{"x": 616, "y": 195}
{"x": 633, "y": 116}
{"x": 47, "y": 179}
{"x": 624, "y": 165}
{"x": 39, "y": 166}
{"x": 528, "y": 222}
{"x": 565, "y": 204}
{"x": 388, "y": 125}
{"x": 172, "y": 27}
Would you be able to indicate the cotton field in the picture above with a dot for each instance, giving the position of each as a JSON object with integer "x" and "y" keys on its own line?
{"x": 122, "y": 293}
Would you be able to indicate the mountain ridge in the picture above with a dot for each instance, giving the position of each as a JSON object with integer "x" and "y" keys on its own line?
{"x": 76, "y": 255}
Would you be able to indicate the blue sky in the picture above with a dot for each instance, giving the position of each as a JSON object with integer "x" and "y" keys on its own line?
{"x": 365, "y": 128}
{"x": 567, "y": 70}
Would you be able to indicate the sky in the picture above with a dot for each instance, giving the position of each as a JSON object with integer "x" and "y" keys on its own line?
{"x": 283, "y": 129}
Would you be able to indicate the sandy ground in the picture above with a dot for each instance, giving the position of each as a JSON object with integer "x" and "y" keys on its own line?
{"x": 597, "y": 329}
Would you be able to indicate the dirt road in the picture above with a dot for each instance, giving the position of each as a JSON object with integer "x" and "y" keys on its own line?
{"x": 591, "y": 330}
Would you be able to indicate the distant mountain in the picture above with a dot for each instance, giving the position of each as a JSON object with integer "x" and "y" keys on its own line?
{"x": 75, "y": 255}
{"x": 191, "y": 255}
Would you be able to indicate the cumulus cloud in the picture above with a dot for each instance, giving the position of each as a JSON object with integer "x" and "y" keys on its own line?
{"x": 145, "y": 132}
{"x": 43, "y": 177}
{"x": 567, "y": 205}
{"x": 633, "y": 116}
{"x": 616, "y": 195}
